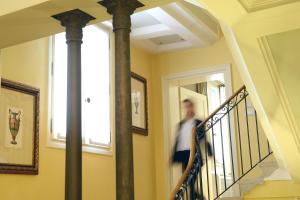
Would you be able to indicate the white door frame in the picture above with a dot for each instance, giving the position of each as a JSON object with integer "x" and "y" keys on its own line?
{"x": 201, "y": 72}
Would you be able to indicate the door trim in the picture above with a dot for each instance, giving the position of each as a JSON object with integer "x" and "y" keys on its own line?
{"x": 202, "y": 72}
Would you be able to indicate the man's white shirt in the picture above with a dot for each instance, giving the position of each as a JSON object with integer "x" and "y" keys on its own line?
{"x": 185, "y": 135}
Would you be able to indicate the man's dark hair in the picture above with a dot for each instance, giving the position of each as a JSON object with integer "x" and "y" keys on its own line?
{"x": 188, "y": 101}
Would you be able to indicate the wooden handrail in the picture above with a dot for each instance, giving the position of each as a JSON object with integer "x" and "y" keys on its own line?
{"x": 189, "y": 166}
{"x": 193, "y": 145}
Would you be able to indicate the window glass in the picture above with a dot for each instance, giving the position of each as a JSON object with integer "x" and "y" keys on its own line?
{"x": 95, "y": 87}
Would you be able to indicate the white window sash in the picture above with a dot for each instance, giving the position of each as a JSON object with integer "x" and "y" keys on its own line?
{"x": 56, "y": 140}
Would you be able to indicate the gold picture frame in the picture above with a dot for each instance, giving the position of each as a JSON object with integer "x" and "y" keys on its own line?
{"x": 139, "y": 104}
{"x": 19, "y": 128}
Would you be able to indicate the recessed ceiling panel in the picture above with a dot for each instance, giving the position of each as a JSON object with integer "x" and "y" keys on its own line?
{"x": 167, "y": 39}
{"x": 174, "y": 26}
{"x": 143, "y": 19}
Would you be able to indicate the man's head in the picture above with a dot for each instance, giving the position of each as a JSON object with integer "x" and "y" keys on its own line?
{"x": 188, "y": 107}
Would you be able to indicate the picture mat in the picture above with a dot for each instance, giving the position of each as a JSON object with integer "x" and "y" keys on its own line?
{"x": 139, "y": 112}
{"x": 22, "y": 154}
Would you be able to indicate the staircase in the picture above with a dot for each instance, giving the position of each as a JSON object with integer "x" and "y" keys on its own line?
{"x": 241, "y": 156}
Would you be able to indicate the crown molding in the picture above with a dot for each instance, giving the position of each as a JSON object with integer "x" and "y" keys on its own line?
{"x": 256, "y": 5}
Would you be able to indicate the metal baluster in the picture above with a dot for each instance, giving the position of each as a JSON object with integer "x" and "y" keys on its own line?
{"x": 239, "y": 131}
{"x": 223, "y": 159}
{"x": 269, "y": 149}
{"x": 186, "y": 192}
{"x": 201, "y": 184}
{"x": 257, "y": 134}
{"x": 230, "y": 140}
{"x": 197, "y": 181}
{"x": 192, "y": 189}
{"x": 248, "y": 132}
{"x": 207, "y": 176}
{"x": 214, "y": 155}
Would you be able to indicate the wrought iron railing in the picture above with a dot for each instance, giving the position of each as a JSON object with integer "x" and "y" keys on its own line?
{"x": 238, "y": 145}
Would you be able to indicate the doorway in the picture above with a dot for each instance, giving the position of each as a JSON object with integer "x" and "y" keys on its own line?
{"x": 208, "y": 88}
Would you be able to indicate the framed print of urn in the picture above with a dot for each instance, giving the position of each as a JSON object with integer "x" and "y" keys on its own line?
{"x": 19, "y": 128}
{"x": 139, "y": 104}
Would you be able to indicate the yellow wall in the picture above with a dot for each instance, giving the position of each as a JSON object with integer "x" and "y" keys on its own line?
{"x": 284, "y": 47}
{"x": 151, "y": 166}
{"x": 244, "y": 32}
{"x": 21, "y": 64}
{"x": 144, "y": 176}
{"x": 175, "y": 62}
{"x": 31, "y": 67}
{"x": 272, "y": 190}
{"x": 28, "y": 63}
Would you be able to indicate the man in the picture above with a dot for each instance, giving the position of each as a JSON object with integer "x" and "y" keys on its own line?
{"x": 184, "y": 141}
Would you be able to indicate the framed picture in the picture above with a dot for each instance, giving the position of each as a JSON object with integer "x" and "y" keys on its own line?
{"x": 19, "y": 128}
{"x": 139, "y": 104}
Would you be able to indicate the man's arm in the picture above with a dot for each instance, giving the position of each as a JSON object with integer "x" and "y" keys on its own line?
{"x": 200, "y": 130}
{"x": 201, "y": 133}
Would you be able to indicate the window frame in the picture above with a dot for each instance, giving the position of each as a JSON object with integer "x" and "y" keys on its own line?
{"x": 60, "y": 142}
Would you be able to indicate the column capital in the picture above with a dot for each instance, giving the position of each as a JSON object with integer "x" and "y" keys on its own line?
{"x": 121, "y": 11}
{"x": 74, "y": 21}
{"x": 127, "y": 6}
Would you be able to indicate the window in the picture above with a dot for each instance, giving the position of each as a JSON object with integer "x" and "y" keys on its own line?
{"x": 96, "y": 122}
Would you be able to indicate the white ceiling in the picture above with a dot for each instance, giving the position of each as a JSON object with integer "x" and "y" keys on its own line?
{"x": 143, "y": 19}
{"x": 174, "y": 26}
